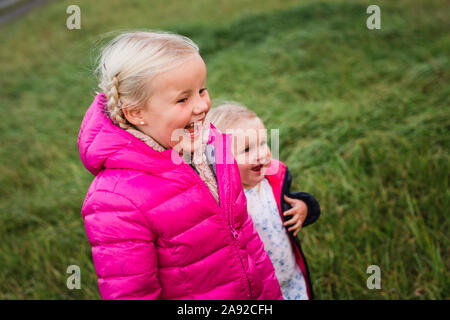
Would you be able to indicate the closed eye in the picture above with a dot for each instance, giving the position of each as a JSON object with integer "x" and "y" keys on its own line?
{"x": 185, "y": 99}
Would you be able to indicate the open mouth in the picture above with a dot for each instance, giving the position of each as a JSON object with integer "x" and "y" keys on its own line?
{"x": 257, "y": 168}
{"x": 193, "y": 128}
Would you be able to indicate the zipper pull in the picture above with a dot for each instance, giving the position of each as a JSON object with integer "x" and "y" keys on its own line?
{"x": 234, "y": 233}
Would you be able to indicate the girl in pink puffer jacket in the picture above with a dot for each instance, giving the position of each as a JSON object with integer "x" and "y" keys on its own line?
{"x": 161, "y": 228}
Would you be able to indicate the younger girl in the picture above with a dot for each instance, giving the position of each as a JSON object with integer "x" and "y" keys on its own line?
{"x": 161, "y": 228}
{"x": 267, "y": 182}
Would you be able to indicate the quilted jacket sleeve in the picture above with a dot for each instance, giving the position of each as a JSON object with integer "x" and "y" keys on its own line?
{"x": 123, "y": 248}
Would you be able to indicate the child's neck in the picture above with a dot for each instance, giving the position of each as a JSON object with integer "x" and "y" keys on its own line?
{"x": 246, "y": 186}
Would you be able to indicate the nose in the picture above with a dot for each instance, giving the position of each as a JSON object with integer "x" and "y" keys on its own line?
{"x": 264, "y": 154}
{"x": 202, "y": 105}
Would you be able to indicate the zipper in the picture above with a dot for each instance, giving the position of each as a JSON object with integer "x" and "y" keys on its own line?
{"x": 234, "y": 233}
{"x": 246, "y": 276}
{"x": 228, "y": 210}
{"x": 230, "y": 219}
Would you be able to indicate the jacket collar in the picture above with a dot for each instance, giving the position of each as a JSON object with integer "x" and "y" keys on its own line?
{"x": 275, "y": 175}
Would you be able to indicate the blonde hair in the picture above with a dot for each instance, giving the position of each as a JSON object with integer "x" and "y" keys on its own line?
{"x": 129, "y": 62}
{"x": 228, "y": 114}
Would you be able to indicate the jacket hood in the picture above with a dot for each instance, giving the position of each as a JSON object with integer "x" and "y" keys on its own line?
{"x": 102, "y": 144}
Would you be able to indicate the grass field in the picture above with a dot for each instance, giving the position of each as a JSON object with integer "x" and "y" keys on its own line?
{"x": 364, "y": 119}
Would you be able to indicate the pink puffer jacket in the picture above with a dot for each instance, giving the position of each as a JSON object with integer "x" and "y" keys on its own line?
{"x": 156, "y": 230}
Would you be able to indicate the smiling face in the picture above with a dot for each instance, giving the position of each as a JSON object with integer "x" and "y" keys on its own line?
{"x": 177, "y": 106}
{"x": 251, "y": 151}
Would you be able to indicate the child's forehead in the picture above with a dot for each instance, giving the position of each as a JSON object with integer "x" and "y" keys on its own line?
{"x": 186, "y": 76}
{"x": 250, "y": 123}
{"x": 248, "y": 128}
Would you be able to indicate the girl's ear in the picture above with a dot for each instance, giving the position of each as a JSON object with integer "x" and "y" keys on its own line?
{"x": 134, "y": 115}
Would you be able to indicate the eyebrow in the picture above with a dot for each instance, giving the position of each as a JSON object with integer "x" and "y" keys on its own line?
{"x": 181, "y": 93}
{"x": 185, "y": 91}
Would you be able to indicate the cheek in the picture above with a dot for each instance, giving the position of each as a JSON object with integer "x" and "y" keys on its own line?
{"x": 265, "y": 152}
{"x": 207, "y": 100}
{"x": 253, "y": 156}
{"x": 244, "y": 171}
{"x": 242, "y": 160}
{"x": 179, "y": 118}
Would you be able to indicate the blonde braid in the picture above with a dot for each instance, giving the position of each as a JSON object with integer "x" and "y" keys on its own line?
{"x": 114, "y": 104}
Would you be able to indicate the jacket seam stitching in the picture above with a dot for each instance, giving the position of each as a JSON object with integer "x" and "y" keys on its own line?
{"x": 149, "y": 225}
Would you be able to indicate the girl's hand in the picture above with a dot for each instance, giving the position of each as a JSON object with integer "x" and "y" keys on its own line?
{"x": 299, "y": 211}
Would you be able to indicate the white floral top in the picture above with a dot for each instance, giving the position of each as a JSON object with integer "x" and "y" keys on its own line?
{"x": 263, "y": 209}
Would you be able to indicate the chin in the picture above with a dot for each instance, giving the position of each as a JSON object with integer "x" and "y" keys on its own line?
{"x": 258, "y": 180}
